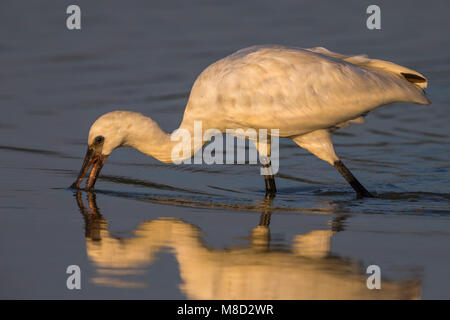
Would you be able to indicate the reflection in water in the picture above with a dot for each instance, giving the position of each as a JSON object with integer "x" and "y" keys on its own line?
{"x": 306, "y": 271}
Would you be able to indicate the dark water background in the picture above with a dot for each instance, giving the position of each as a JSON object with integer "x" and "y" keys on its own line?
{"x": 159, "y": 231}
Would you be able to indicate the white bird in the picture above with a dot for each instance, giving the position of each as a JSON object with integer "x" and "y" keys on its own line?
{"x": 304, "y": 93}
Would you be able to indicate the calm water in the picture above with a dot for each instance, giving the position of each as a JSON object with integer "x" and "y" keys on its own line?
{"x": 157, "y": 231}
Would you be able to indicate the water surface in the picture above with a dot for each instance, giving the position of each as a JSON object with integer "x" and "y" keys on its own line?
{"x": 158, "y": 231}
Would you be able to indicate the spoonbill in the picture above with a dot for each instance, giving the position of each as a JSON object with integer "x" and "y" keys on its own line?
{"x": 304, "y": 268}
{"x": 304, "y": 93}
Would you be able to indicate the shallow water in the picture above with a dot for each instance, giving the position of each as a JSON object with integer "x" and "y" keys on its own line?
{"x": 157, "y": 231}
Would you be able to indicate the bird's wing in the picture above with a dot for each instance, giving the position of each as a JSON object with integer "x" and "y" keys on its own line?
{"x": 294, "y": 90}
{"x": 363, "y": 61}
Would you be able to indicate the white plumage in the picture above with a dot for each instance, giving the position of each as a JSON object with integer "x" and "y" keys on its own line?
{"x": 304, "y": 93}
{"x": 296, "y": 90}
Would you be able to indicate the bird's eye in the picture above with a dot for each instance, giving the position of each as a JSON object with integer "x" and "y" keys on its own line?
{"x": 99, "y": 140}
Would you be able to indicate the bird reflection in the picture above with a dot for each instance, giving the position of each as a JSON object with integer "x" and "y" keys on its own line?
{"x": 306, "y": 270}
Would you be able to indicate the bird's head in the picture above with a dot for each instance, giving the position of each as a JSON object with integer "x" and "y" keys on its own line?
{"x": 106, "y": 134}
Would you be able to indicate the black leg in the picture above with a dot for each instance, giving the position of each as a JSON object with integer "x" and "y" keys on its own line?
{"x": 271, "y": 188}
{"x": 264, "y": 220}
{"x": 358, "y": 187}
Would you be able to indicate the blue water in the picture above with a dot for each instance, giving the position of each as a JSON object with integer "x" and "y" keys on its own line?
{"x": 157, "y": 231}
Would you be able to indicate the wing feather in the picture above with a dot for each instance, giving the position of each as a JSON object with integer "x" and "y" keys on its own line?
{"x": 297, "y": 90}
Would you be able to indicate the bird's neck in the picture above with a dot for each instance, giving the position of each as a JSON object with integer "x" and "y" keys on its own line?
{"x": 149, "y": 138}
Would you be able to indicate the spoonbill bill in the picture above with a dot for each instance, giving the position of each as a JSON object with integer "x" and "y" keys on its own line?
{"x": 304, "y": 93}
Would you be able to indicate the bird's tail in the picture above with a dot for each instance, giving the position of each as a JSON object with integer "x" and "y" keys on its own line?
{"x": 411, "y": 76}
